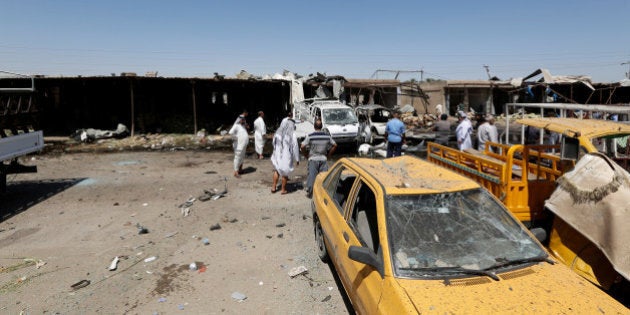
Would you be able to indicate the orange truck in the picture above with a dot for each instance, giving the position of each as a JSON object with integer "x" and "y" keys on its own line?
{"x": 572, "y": 195}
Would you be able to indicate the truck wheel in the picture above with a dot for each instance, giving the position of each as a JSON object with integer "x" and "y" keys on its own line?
{"x": 322, "y": 252}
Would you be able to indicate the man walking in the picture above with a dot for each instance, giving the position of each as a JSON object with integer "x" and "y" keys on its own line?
{"x": 260, "y": 130}
{"x": 395, "y": 135}
{"x": 239, "y": 133}
{"x": 487, "y": 132}
{"x": 318, "y": 146}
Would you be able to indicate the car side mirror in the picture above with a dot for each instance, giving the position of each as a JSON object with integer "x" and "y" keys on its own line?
{"x": 570, "y": 148}
{"x": 366, "y": 256}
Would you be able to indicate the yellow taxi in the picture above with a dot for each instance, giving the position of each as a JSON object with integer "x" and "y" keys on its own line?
{"x": 408, "y": 236}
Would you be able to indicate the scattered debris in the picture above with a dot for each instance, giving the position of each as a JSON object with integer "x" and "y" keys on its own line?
{"x": 192, "y": 266}
{"x": 327, "y": 298}
{"x": 297, "y": 271}
{"x": 280, "y": 225}
{"x": 281, "y": 235}
{"x": 90, "y": 134}
{"x": 265, "y": 218}
{"x": 185, "y": 211}
{"x": 150, "y": 259}
{"x": 206, "y": 241}
{"x": 114, "y": 264}
{"x": 162, "y": 299}
{"x": 142, "y": 229}
{"x": 80, "y": 284}
{"x": 214, "y": 193}
{"x": 239, "y": 296}
{"x": 40, "y": 263}
{"x": 169, "y": 235}
{"x": 215, "y": 227}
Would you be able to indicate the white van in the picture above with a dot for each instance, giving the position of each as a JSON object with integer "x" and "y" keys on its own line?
{"x": 338, "y": 119}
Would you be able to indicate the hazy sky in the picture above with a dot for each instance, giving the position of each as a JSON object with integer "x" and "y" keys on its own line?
{"x": 446, "y": 39}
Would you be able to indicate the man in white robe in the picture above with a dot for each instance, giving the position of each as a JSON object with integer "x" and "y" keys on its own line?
{"x": 241, "y": 139}
{"x": 286, "y": 152}
{"x": 463, "y": 131}
{"x": 260, "y": 130}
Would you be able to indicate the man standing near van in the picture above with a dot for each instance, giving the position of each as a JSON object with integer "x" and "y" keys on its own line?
{"x": 395, "y": 135}
{"x": 320, "y": 147}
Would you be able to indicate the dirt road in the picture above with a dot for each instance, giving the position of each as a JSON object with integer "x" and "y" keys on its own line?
{"x": 68, "y": 222}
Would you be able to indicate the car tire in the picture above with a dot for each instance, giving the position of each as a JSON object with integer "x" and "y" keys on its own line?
{"x": 322, "y": 252}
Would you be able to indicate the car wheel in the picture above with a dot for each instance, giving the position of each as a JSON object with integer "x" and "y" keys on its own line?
{"x": 322, "y": 252}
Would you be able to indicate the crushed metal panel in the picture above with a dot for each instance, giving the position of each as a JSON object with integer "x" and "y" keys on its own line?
{"x": 594, "y": 199}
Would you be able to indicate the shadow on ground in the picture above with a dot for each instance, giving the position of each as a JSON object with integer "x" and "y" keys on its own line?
{"x": 339, "y": 284}
{"x": 21, "y": 195}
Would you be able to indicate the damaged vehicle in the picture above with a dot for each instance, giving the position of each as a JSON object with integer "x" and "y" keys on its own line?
{"x": 408, "y": 236}
{"x": 372, "y": 122}
{"x": 338, "y": 120}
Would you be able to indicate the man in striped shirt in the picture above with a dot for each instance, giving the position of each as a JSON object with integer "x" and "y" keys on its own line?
{"x": 317, "y": 147}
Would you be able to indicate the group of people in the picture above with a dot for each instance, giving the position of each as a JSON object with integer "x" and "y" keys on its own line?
{"x": 317, "y": 148}
{"x": 486, "y": 132}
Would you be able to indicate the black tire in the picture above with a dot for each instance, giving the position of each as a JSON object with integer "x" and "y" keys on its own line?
{"x": 322, "y": 252}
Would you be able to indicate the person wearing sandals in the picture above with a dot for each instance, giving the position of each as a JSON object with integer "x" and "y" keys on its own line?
{"x": 285, "y": 153}
{"x": 241, "y": 139}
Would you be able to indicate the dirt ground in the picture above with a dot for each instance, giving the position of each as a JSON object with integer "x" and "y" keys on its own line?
{"x": 67, "y": 222}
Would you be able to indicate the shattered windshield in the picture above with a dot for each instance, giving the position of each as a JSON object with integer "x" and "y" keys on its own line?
{"x": 380, "y": 115}
{"x": 339, "y": 116}
{"x": 438, "y": 235}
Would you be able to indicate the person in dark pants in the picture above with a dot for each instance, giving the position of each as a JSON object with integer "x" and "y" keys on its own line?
{"x": 442, "y": 129}
{"x": 395, "y": 135}
{"x": 318, "y": 146}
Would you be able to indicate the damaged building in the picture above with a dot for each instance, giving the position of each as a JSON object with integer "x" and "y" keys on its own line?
{"x": 148, "y": 104}
{"x": 153, "y": 104}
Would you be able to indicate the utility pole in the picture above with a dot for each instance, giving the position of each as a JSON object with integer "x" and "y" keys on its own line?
{"x": 627, "y": 73}
{"x": 487, "y": 71}
{"x": 490, "y": 105}
{"x": 421, "y": 74}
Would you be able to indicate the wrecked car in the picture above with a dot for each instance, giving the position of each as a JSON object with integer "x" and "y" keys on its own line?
{"x": 372, "y": 122}
{"x": 338, "y": 120}
{"x": 407, "y": 236}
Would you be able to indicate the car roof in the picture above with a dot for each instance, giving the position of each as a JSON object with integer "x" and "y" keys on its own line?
{"x": 590, "y": 128}
{"x": 412, "y": 175}
{"x": 372, "y": 106}
{"x": 326, "y": 106}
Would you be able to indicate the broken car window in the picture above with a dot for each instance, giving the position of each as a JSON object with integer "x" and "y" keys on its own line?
{"x": 339, "y": 116}
{"x": 466, "y": 229}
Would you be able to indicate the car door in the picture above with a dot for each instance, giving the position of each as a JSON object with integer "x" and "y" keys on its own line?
{"x": 360, "y": 228}
{"x": 338, "y": 187}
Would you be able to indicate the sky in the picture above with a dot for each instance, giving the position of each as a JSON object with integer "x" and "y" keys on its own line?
{"x": 449, "y": 40}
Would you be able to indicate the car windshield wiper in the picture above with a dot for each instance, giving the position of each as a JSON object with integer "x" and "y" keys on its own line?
{"x": 521, "y": 261}
{"x": 455, "y": 269}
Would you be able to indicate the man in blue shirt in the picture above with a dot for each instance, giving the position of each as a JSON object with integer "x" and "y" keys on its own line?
{"x": 395, "y": 135}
